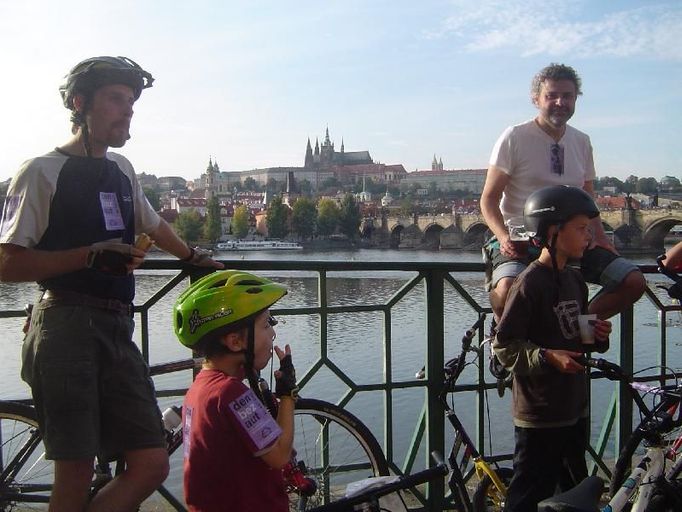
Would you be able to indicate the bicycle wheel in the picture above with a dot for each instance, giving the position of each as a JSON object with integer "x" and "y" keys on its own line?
{"x": 487, "y": 497}
{"x": 26, "y": 476}
{"x": 336, "y": 448}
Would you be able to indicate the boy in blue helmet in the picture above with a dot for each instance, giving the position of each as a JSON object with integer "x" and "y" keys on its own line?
{"x": 538, "y": 339}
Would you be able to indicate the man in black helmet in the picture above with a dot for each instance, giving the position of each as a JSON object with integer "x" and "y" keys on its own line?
{"x": 538, "y": 153}
{"x": 539, "y": 340}
{"x": 69, "y": 223}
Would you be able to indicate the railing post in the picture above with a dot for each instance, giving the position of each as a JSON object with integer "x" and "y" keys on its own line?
{"x": 435, "y": 336}
{"x": 626, "y": 362}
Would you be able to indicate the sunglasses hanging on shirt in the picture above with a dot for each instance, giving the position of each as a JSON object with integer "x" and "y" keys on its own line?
{"x": 557, "y": 159}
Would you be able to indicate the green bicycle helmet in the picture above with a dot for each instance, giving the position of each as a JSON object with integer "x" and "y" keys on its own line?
{"x": 219, "y": 300}
{"x": 91, "y": 74}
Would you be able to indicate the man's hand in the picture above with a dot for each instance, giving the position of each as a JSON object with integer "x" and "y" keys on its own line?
{"x": 114, "y": 258}
{"x": 564, "y": 360}
{"x": 508, "y": 248}
{"x": 285, "y": 377}
{"x": 202, "y": 258}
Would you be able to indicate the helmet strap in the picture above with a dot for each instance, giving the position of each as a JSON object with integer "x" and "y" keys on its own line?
{"x": 251, "y": 374}
{"x": 85, "y": 134}
{"x": 555, "y": 267}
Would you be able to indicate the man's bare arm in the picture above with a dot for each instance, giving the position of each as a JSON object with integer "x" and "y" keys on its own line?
{"x": 166, "y": 239}
{"x": 19, "y": 264}
{"x": 600, "y": 238}
{"x": 495, "y": 183}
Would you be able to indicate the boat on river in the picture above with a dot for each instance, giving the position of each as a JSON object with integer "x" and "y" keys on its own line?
{"x": 257, "y": 245}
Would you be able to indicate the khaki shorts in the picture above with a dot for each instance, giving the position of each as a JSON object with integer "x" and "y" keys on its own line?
{"x": 91, "y": 387}
{"x": 598, "y": 266}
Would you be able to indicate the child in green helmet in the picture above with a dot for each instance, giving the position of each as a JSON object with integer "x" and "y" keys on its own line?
{"x": 234, "y": 448}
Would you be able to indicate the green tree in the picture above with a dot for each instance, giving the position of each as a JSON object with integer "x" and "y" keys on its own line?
{"x": 153, "y": 197}
{"x": 349, "y": 217}
{"x": 240, "y": 221}
{"x": 608, "y": 181}
{"x": 331, "y": 182}
{"x": 647, "y": 186}
{"x": 407, "y": 207}
{"x": 251, "y": 184}
{"x": 276, "y": 220}
{"x": 188, "y": 226}
{"x": 630, "y": 184}
{"x": 212, "y": 226}
{"x": 304, "y": 217}
{"x": 305, "y": 187}
{"x": 327, "y": 217}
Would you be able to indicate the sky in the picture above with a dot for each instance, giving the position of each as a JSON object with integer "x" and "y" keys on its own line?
{"x": 246, "y": 83}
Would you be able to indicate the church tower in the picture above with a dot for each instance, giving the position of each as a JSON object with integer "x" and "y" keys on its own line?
{"x": 308, "y": 155}
{"x": 210, "y": 180}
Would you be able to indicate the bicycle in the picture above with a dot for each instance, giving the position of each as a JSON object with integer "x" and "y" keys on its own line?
{"x": 465, "y": 459}
{"x": 369, "y": 498}
{"x": 333, "y": 448}
{"x": 674, "y": 290}
{"x": 653, "y": 484}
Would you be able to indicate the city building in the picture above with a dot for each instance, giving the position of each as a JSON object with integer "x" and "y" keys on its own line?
{"x": 470, "y": 180}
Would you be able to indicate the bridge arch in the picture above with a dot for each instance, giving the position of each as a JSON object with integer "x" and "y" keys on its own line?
{"x": 655, "y": 232}
{"x": 476, "y": 234}
{"x": 431, "y": 238}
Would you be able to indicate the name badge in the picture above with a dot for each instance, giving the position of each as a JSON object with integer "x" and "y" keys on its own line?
{"x": 113, "y": 220}
{"x": 255, "y": 419}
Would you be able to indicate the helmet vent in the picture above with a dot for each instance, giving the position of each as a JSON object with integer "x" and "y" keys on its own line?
{"x": 255, "y": 289}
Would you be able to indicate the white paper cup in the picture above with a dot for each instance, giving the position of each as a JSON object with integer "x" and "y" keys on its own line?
{"x": 586, "y": 329}
{"x": 517, "y": 230}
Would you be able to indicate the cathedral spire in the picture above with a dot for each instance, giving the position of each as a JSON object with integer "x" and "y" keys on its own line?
{"x": 308, "y": 155}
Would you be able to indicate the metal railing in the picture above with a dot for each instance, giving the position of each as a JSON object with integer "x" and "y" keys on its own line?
{"x": 435, "y": 278}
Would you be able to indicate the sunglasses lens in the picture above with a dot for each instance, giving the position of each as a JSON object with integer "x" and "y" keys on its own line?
{"x": 557, "y": 159}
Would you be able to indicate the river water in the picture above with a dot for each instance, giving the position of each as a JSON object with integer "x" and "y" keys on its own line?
{"x": 355, "y": 340}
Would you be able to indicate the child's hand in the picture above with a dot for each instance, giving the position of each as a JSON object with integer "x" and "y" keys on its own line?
{"x": 602, "y": 329}
{"x": 285, "y": 377}
{"x": 564, "y": 360}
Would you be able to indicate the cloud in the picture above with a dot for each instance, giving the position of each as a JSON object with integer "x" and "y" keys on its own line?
{"x": 539, "y": 28}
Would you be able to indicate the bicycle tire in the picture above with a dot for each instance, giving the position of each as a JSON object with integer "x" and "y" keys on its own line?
{"x": 27, "y": 477}
{"x": 336, "y": 448}
{"x": 487, "y": 498}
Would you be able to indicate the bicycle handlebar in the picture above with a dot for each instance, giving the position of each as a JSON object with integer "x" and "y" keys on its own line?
{"x": 675, "y": 290}
{"x": 404, "y": 482}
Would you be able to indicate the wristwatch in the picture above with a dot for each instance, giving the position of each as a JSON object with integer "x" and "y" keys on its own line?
{"x": 542, "y": 356}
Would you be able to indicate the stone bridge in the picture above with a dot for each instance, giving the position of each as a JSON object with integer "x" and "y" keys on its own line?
{"x": 632, "y": 229}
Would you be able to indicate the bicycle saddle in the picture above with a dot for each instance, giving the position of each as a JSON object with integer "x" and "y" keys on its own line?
{"x": 584, "y": 497}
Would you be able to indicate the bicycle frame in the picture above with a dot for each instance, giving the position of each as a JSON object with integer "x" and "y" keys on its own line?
{"x": 481, "y": 467}
{"x": 641, "y": 479}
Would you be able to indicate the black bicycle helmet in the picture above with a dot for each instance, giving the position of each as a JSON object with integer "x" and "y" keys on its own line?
{"x": 91, "y": 74}
{"x": 555, "y": 205}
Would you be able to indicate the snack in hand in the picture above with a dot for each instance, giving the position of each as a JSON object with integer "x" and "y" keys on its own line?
{"x": 143, "y": 242}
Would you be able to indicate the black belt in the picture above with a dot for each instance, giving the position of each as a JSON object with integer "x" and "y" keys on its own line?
{"x": 72, "y": 298}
